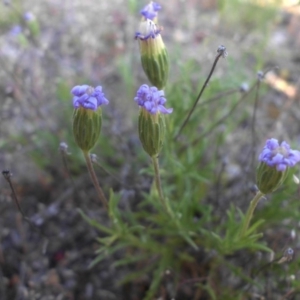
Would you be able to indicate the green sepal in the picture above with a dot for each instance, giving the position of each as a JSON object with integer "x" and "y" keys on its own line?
{"x": 34, "y": 28}
{"x": 156, "y": 67}
{"x": 87, "y": 127}
{"x": 269, "y": 179}
{"x": 151, "y": 131}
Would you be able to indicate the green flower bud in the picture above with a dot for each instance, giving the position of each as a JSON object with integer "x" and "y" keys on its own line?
{"x": 275, "y": 161}
{"x": 34, "y": 29}
{"x": 151, "y": 131}
{"x": 269, "y": 179}
{"x": 87, "y": 127}
{"x": 22, "y": 40}
{"x": 32, "y": 24}
{"x": 154, "y": 56}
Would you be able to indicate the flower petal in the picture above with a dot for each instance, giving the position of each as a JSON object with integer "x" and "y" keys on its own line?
{"x": 152, "y": 99}
{"x": 88, "y": 97}
{"x": 79, "y": 90}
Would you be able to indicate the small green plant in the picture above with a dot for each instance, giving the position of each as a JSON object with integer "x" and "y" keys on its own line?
{"x": 174, "y": 221}
{"x": 188, "y": 232}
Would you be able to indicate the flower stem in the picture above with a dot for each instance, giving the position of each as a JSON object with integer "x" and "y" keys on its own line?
{"x": 250, "y": 212}
{"x": 93, "y": 176}
{"x": 200, "y": 93}
{"x": 158, "y": 185}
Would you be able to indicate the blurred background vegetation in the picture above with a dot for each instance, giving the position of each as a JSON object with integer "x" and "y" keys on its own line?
{"x": 208, "y": 173}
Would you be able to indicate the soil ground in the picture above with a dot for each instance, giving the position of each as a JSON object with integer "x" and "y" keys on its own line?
{"x": 46, "y": 255}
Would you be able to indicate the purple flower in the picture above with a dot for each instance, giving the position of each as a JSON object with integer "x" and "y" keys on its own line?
{"x": 29, "y": 16}
{"x": 88, "y": 97}
{"x": 15, "y": 30}
{"x": 152, "y": 100}
{"x": 278, "y": 155}
{"x": 150, "y": 10}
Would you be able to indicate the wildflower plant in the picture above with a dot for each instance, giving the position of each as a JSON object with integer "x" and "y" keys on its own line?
{"x": 171, "y": 220}
{"x": 154, "y": 56}
{"x": 32, "y": 24}
{"x": 151, "y": 119}
{"x": 275, "y": 162}
{"x": 87, "y": 122}
{"x": 151, "y": 127}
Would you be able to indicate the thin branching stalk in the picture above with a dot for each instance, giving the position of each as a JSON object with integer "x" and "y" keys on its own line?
{"x": 158, "y": 184}
{"x": 2, "y": 286}
{"x": 220, "y": 53}
{"x": 222, "y": 119}
{"x": 93, "y": 176}
{"x": 63, "y": 147}
{"x": 250, "y": 212}
{"x": 260, "y": 76}
{"x": 94, "y": 160}
{"x": 219, "y": 96}
{"x": 218, "y": 122}
{"x": 253, "y": 123}
{"x": 218, "y": 184}
{"x": 7, "y": 175}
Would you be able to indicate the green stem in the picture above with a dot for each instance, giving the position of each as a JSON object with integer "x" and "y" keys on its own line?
{"x": 93, "y": 176}
{"x": 158, "y": 184}
{"x": 250, "y": 212}
{"x": 200, "y": 94}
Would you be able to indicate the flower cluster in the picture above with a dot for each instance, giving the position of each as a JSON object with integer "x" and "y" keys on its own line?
{"x": 148, "y": 28}
{"x": 152, "y": 99}
{"x": 15, "y": 30}
{"x": 154, "y": 56}
{"x": 278, "y": 155}
{"x": 29, "y": 16}
{"x": 150, "y": 10}
{"x": 88, "y": 97}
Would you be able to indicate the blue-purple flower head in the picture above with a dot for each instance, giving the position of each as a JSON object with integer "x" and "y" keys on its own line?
{"x": 152, "y": 99}
{"x": 278, "y": 155}
{"x": 15, "y": 30}
{"x": 154, "y": 55}
{"x": 29, "y": 16}
{"x": 88, "y": 97}
{"x": 150, "y": 10}
{"x": 148, "y": 27}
